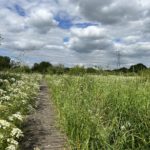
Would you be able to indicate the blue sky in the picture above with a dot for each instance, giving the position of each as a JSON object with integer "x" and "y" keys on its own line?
{"x": 76, "y": 32}
{"x": 19, "y": 10}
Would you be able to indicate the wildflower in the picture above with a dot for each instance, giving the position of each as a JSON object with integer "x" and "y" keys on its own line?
{"x": 6, "y": 81}
{"x": 5, "y": 98}
{"x": 13, "y": 79}
{"x": 12, "y": 141}
{"x": 11, "y": 147}
{"x": 36, "y": 148}
{"x": 1, "y": 91}
{"x": 21, "y": 83}
{"x": 128, "y": 124}
{"x": 1, "y": 136}
{"x": 23, "y": 95}
{"x": 30, "y": 107}
{"x": 24, "y": 102}
{"x": 16, "y": 133}
{"x": 123, "y": 127}
{"x": 16, "y": 116}
{"x": 4, "y": 124}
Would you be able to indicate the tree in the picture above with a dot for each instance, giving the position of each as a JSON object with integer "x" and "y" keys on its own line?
{"x": 43, "y": 67}
{"x": 59, "y": 69}
{"x": 121, "y": 70}
{"x": 77, "y": 70}
{"x": 5, "y": 62}
{"x": 91, "y": 70}
{"x": 138, "y": 67}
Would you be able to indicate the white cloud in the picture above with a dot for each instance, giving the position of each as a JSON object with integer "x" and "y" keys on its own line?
{"x": 10, "y": 22}
{"x": 121, "y": 25}
{"x": 41, "y": 20}
{"x": 90, "y": 32}
{"x": 112, "y": 11}
{"x": 89, "y": 39}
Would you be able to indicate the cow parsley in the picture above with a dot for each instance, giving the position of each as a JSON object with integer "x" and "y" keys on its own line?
{"x": 4, "y": 124}
{"x": 16, "y": 133}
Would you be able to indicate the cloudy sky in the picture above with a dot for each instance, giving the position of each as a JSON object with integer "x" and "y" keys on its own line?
{"x": 70, "y": 32}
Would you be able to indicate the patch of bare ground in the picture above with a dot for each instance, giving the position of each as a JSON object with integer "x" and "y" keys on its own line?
{"x": 40, "y": 131}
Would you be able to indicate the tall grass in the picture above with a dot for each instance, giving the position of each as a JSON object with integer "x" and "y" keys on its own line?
{"x": 103, "y": 113}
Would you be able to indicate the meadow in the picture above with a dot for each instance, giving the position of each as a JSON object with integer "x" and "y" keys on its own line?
{"x": 95, "y": 112}
{"x": 103, "y": 112}
{"x": 17, "y": 99}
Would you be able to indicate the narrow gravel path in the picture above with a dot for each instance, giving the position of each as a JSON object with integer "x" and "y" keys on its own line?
{"x": 40, "y": 128}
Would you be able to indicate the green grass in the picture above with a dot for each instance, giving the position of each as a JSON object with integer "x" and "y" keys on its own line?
{"x": 103, "y": 113}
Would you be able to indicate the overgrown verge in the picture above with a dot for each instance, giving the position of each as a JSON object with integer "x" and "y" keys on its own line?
{"x": 98, "y": 112}
{"x": 17, "y": 98}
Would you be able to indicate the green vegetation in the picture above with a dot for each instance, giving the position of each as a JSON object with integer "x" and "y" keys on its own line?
{"x": 17, "y": 92}
{"x": 96, "y": 112}
{"x": 45, "y": 67}
{"x": 103, "y": 112}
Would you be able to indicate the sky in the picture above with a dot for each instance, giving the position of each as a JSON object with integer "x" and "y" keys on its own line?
{"x": 71, "y": 32}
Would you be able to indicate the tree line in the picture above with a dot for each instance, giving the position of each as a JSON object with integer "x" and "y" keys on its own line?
{"x": 46, "y": 67}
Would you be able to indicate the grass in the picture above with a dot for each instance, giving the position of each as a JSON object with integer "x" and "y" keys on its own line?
{"x": 103, "y": 112}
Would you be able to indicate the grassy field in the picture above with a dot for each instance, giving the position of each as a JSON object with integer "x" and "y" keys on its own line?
{"x": 103, "y": 112}
{"x": 17, "y": 92}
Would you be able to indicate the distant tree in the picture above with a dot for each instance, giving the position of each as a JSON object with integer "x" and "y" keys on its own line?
{"x": 25, "y": 69}
{"x": 121, "y": 70}
{"x": 138, "y": 67}
{"x": 66, "y": 70}
{"x": 4, "y": 62}
{"x": 21, "y": 68}
{"x": 91, "y": 70}
{"x": 77, "y": 70}
{"x": 14, "y": 64}
{"x": 42, "y": 67}
{"x": 35, "y": 67}
{"x": 59, "y": 69}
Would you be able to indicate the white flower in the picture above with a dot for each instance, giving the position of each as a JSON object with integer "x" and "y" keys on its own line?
{"x": 16, "y": 133}
{"x": 1, "y": 136}
{"x": 16, "y": 116}
{"x": 123, "y": 127}
{"x": 12, "y": 141}
{"x": 11, "y": 147}
{"x": 36, "y": 148}
{"x": 1, "y": 92}
{"x": 21, "y": 83}
{"x": 4, "y": 124}
{"x": 24, "y": 102}
{"x": 13, "y": 79}
{"x": 6, "y": 81}
{"x": 128, "y": 124}
{"x": 5, "y": 98}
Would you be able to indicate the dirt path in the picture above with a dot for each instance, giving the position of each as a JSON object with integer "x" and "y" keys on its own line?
{"x": 39, "y": 129}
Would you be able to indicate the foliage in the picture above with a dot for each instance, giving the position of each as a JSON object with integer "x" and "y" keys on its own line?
{"x": 137, "y": 68}
{"x": 58, "y": 69}
{"x": 103, "y": 112}
{"x": 77, "y": 70}
{"x": 47, "y": 68}
{"x": 4, "y": 63}
{"x": 21, "y": 69}
{"x": 91, "y": 70}
{"x": 17, "y": 92}
{"x": 41, "y": 67}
